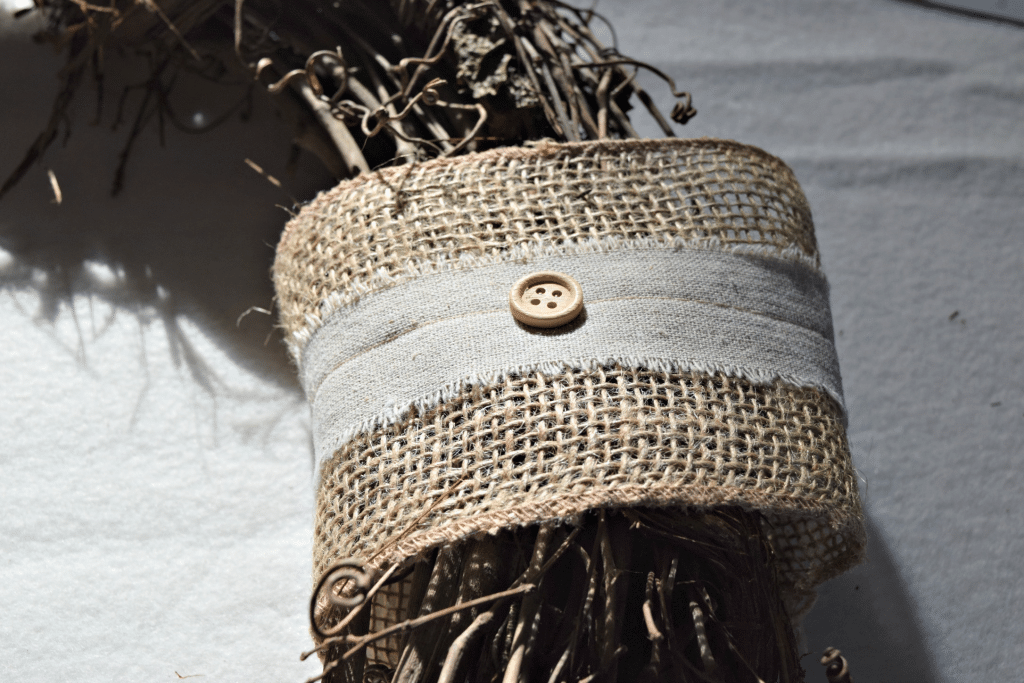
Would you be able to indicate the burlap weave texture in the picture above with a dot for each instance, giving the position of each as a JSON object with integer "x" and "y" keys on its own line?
{"x": 509, "y": 203}
{"x": 540, "y": 448}
{"x": 550, "y": 444}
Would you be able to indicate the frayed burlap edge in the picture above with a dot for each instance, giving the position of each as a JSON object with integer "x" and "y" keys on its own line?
{"x": 779, "y": 511}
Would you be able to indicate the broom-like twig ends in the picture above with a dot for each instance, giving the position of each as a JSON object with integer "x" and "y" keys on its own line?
{"x": 632, "y": 595}
{"x": 365, "y": 84}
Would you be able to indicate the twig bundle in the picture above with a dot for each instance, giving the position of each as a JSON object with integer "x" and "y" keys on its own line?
{"x": 635, "y": 595}
{"x": 367, "y": 84}
{"x": 677, "y": 593}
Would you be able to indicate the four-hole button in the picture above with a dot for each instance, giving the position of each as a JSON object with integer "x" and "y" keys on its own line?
{"x": 545, "y": 299}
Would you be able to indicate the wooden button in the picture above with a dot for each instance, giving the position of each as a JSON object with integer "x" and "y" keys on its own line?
{"x": 545, "y": 299}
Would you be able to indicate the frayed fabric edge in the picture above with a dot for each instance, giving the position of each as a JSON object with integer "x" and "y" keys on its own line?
{"x": 381, "y": 279}
{"x": 395, "y": 413}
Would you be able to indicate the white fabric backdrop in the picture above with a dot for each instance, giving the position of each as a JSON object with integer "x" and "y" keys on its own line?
{"x": 155, "y": 457}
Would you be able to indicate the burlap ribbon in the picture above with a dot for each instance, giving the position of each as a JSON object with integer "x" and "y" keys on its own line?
{"x": 703, "y": 371}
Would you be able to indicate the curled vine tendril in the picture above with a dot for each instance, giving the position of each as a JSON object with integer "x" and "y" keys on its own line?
{"x": 350, "y": 570}
{"x": 836, "y": 668}
{"x": 308, "y": 72}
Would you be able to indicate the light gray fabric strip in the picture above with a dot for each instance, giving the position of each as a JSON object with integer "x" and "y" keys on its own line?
{"x": 788, "y": 291}
{"x": 419, "y": 342}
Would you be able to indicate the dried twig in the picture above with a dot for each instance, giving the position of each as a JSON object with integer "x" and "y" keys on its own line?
{"x": 338, "y": 132}
{"x": 58, "y": 196}
{"x": 566, "y": 84}
{"x": 526, "y": 628}
{"x": 648, "y": 610}
{"x": 152, "y": 6}
{"x": 412, "y": 624}
{"x": 454, "y": 658}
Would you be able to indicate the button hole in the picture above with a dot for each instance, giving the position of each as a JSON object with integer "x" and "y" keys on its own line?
{"x": 551, "y": 304}
{"x": 556, "y": 292}
{"x": 535, "y": 302}
{"x": 540, "y": 290}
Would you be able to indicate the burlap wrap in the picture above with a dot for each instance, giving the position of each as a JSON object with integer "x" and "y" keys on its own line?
{"x": 506, "y": 446}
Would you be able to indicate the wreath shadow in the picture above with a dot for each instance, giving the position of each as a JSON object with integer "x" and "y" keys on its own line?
{"x": 191, "y": 235}
{"x": 870, "y": 616}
